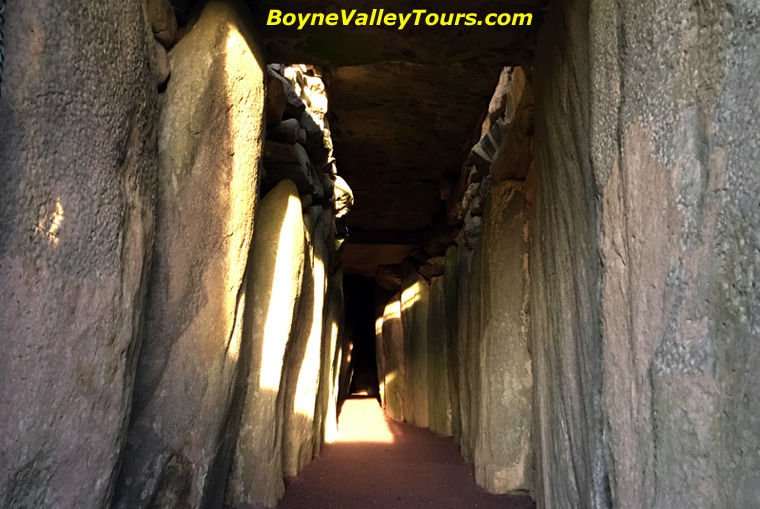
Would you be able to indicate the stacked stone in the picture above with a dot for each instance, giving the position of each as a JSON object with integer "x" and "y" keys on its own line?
{"x": 503, "y": 153}
{"x": 298, "y": 145}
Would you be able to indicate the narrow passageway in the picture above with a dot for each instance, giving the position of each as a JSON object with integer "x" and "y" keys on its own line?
{"x": 377, "y": 462}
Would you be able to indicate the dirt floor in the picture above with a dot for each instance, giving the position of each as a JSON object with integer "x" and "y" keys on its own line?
{"x": 378, "y": 463}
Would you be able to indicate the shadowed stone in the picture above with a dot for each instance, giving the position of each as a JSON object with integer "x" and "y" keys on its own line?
{"x": 450, "y": 312}
{"x": 439, "y": 401}
{"x": 78, "y": 186}
{"x": 286, "y": 161}
{"x": 504, "y": 453}
{"x": 415, "y": 296}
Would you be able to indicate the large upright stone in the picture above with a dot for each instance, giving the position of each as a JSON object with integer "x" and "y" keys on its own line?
{"x": 504, "y": 454}
{"x": 78, "y": 185}
{"x": 450, "y": 311}
{"x": 188, "y": 375}
{"x": 276, "y": 274}
{"x": 564, "y": 268}
{"x": 678, "y": 185}
{"x": 645, "y": 332}
{"x": 472, "y": 360}
{"x": 439, "y": 400}
{"x": 415, "y": 296}
{"x": 463, "y": 378}
{"x": 380, "y": 356}
{"x": 395, "y": 362}
{"x": 303, "y": 360}
{"x": 326, "y": 413}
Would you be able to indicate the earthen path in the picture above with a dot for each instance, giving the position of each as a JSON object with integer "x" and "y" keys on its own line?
{"x": 378, "y": 463}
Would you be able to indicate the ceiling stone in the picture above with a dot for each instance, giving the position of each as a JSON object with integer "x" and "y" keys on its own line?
{"x": 404, "y": 107}
{"x": 398, "y": 130}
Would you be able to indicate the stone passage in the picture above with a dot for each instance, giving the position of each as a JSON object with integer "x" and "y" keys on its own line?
{"x": 557, "y": 260}
{"x": 378, "y": 462}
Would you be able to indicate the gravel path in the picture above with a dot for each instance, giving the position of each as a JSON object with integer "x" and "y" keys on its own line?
{"x": 378, "y": 463}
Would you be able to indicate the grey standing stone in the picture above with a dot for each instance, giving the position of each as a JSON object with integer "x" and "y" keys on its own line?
{"x": 78, "y": 185}
{"x": 450, "y": 311}
{"x": 504, "y": 452}
{"x": 439, "y": 399}
{"x": 326, "y": 414}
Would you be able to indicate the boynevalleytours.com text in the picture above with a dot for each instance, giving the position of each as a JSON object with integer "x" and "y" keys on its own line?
{"x": 399, "y": 20}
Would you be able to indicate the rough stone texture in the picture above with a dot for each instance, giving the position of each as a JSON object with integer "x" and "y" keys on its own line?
{"x": 78, "y": 184}
{"x": 344, "y": 197}
{"x": 162, "y": 21}
{"x": 473, "y": 227}
{"x": 395, "y": 362}
{"x": 463, "y": 264}
{"x": 566, "y": 346}
{"x": 415, "y": 302}
{"x": 662, "y": 332}
{"x": 514, "y": 156}
{"x": 498, "y": 101}
{"x": 433, "y": 267}
{"x": 439, "y": 400}
{"x": 485, "y": 150}
{"x": 286, "y": 131}
{"x": 188, "y": 374}
{"x": 277, "y": 99}
{"x": 472, "y": 359}
{"x": 294, "y": 106}
{"x": 163, "y": 70}
{"x": 504, "y": 452}
{"x": 518, "y": 93}
{"x": 680, "y": 249}
{"x": 288, "y": 161}
{"x": 389, "y": 277}
{"x": 277, "y": 266}
{"x": 303, "y": 359}
{"x": 315, "y": 140}
{"x": 380, "y": 357}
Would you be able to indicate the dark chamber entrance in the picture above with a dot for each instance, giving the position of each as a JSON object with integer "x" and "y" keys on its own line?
{"x": 360, "y": 328}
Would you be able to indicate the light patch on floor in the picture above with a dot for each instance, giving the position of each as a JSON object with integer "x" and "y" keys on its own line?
{"x": 362, "y": 420}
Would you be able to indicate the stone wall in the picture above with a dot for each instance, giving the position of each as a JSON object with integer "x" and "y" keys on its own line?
{"x": 155, "y": 127}
{"x": 644, "y": 337}
{"x": 193, "y": 361}
{"x": 465, "y": 366}
{"x": 78, "y": 187}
